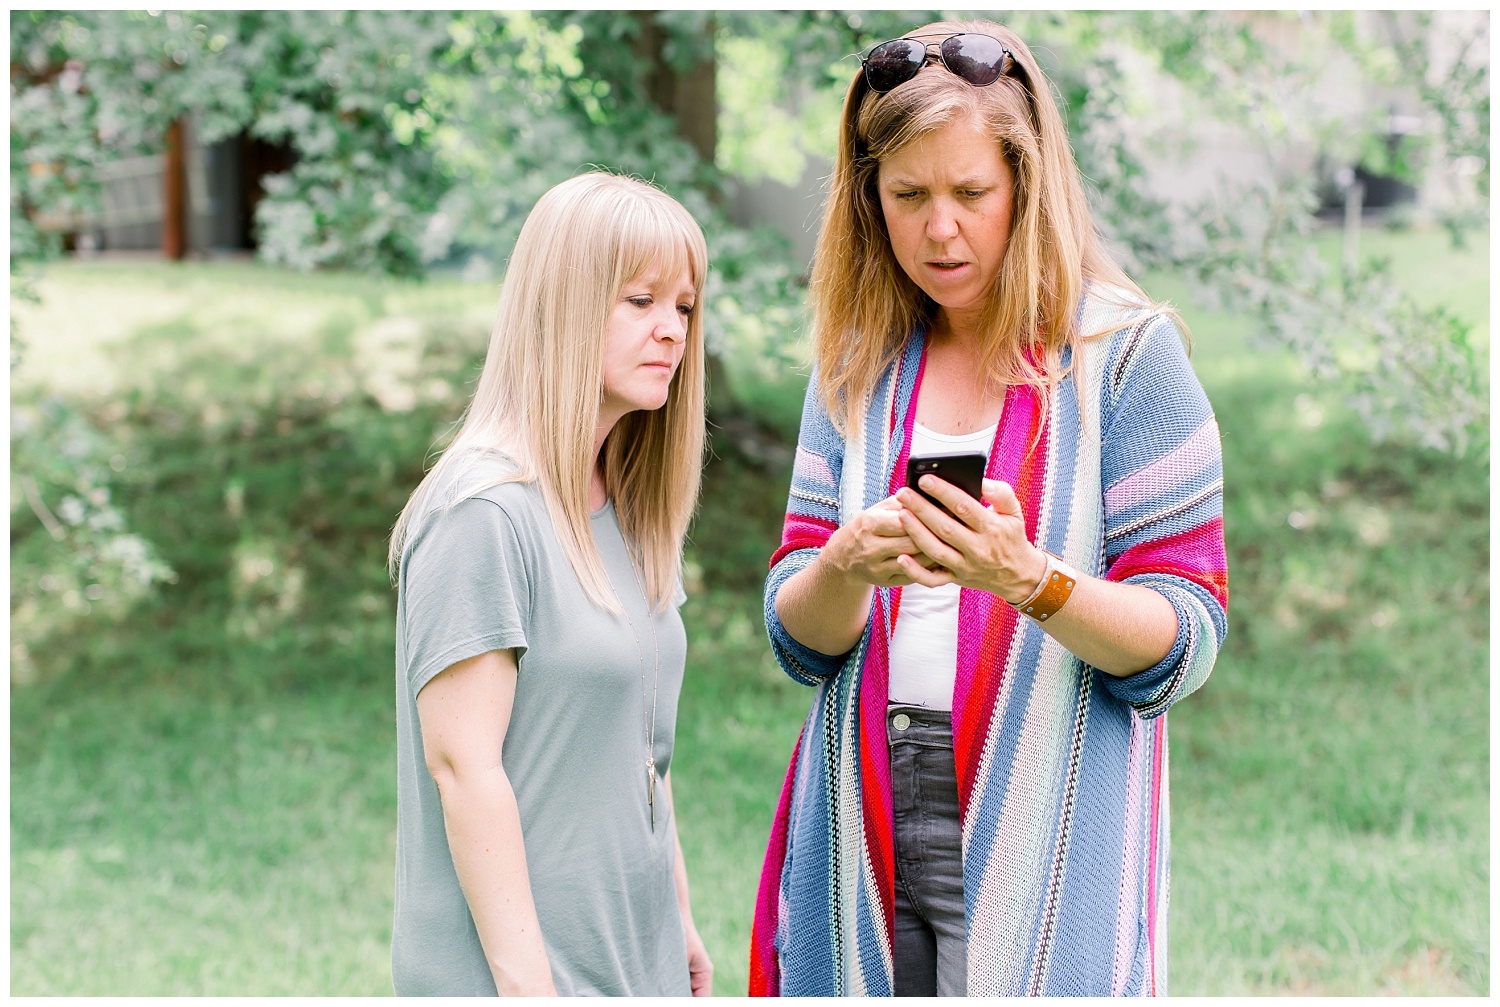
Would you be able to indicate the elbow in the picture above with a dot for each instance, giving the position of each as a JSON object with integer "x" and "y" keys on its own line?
{"x": 801, "y": 663}
{"x": 810, "y": 665}
{"x": 443, "y": 772}
{"x": 1185, "y": 666}
{"x": 1159, "y": 639}
{"x": 454, "y": 775}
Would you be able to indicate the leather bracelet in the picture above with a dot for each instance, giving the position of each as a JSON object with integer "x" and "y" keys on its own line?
{"x": 1058, "y": 582}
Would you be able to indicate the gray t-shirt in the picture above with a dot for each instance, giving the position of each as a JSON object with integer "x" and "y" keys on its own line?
{"x": 487, "y": 574}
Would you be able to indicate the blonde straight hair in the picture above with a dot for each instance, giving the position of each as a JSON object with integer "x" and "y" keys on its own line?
{"x": 863, "y": 303}
{"x": 538, "y": 397}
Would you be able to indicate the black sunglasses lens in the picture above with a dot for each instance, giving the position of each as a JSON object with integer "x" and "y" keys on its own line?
{"x": 978, "y": 59}
{"x": 893, "y": 63}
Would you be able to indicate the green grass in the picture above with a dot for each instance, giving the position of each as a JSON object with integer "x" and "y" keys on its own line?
{"x": 169, "y": 841}
{"x": 202, "y": 793}
{"x": 1330, "y": 781}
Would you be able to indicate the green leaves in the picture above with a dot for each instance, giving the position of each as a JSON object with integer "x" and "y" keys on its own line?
{"x": 87, "y": 563}
{"x": 424, "y": 137}
{"x": 1268, "y": 105}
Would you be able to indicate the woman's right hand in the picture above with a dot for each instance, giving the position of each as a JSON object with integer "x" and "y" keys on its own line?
{"x": 866, "y": 549}
{"x": 825, "y": 605}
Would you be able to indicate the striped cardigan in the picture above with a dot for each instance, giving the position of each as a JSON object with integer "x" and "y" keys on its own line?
{"x": 1062, "y": 769}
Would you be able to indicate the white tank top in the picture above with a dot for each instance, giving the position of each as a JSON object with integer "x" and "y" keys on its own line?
{"x": 924, "y": 648}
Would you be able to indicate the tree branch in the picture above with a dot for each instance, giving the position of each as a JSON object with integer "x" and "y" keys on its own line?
{"x": 39, "y": 508}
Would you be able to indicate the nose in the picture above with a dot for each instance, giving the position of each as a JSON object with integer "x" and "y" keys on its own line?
{"x": 942, "y": 224}
{"x": 671, "y": 327}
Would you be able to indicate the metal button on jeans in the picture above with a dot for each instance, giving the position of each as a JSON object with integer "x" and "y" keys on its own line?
{"x": 901, "y": 721}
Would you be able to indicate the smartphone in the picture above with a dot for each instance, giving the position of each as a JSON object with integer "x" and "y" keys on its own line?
{"x": 966, "y": 471}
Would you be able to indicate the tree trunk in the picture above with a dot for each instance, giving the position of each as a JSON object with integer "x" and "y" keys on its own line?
{"x": 689, "y": 97}
{"x": 174, "y": 219}
{"x": 691, "y": 100}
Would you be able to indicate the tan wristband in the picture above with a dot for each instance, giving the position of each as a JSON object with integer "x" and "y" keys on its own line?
{"x": 1058, "y": 581}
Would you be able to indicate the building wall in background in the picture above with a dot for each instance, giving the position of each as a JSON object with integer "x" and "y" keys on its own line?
{"x": 133, "y": 198}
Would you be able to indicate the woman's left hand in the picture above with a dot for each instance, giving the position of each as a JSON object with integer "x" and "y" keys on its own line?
{"x": 700, "y": 969}
{"x": 983, "y": 545}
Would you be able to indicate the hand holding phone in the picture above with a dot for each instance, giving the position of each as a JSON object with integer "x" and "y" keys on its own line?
{"x": 966, "y": 471}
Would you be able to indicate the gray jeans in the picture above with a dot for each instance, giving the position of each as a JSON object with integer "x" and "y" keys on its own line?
{"x": 930, "y": 939}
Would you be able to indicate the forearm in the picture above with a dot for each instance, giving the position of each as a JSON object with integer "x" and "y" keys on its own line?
{"x": 680, "y": 882}
{"x": 1118, "y": 628}
{"x": 679, "y": 869}
{"x": 823, "y": 609}
{"x": 700, "y": 968}
{"x": 484, "y": 835}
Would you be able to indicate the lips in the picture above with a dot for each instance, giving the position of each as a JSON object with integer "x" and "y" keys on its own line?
{"x": 945, "y": 266}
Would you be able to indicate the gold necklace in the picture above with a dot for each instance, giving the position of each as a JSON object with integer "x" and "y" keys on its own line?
{"x": 648, "y": 727}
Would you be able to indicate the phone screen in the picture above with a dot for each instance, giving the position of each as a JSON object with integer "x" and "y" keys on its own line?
{"x": 966, "y": 471}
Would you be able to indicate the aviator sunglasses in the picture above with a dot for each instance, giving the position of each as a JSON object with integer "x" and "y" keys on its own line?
{"x": 978, "y": 59}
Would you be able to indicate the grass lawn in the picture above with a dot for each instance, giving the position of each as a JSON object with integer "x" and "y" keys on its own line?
{"x": 202, "y": 794}
{"x": 1330, "y": 781}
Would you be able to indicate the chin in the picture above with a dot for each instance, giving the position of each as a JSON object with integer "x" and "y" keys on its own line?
{"x": 651, "y": 403}
{"x": 948, "y": 301}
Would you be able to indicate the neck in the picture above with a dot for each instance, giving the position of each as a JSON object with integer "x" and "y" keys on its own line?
{"x": 960, "y": 330}
{"x": 598, "y": 489}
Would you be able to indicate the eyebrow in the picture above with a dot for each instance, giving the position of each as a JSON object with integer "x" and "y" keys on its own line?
{"x": 973, "y": 182}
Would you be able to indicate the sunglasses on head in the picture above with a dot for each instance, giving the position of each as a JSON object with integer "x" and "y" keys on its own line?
{"x": 978, "y": 59}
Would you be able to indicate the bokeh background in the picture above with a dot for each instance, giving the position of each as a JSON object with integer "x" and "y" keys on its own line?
{"x": 254, "y": 261}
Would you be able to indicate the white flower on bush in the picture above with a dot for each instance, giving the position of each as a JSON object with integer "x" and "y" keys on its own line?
{"x": 135, "y": 560}
{"x": 288, "y": 232}
{"x": 72, "y": 510}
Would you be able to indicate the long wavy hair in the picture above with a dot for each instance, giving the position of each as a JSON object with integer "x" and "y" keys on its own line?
{"x": 538, "y": 396}
{"x": 863, "y": 303}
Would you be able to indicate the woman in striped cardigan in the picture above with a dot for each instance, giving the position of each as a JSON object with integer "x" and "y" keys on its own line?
{"x": 978, "y": 800}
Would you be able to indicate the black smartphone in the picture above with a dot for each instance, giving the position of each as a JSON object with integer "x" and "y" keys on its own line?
{"x": 966, "y": 471}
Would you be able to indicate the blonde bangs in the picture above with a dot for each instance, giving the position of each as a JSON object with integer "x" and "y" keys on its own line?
{"x": 652, "y": 239}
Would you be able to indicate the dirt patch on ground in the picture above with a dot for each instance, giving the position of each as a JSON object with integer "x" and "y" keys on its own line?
{"x": 1429, "y": 972}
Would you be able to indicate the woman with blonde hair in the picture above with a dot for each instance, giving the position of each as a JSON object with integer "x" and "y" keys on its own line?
{"x": 978, "y": 800}
{"x": 539, "y": 650}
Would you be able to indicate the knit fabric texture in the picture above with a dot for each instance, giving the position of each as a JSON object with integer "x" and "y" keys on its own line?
{"x": 1062, "y": 769}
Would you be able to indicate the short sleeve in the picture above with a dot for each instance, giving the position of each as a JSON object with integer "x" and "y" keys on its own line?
{"x": 465, "y": 589}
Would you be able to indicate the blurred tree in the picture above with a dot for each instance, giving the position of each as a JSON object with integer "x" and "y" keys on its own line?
{"x": 346, "y": 92}
{"x": 89, "y": 87}
{"x": 1413, "y": 371}
{"x": 425, "y": 136}
{"x": 83, "y": 93}
{"x": 1143, "y": 92}
{"x": 678, "y": 49}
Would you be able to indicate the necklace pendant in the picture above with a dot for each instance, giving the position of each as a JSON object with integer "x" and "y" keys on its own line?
{"x": 651, "y": 790}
